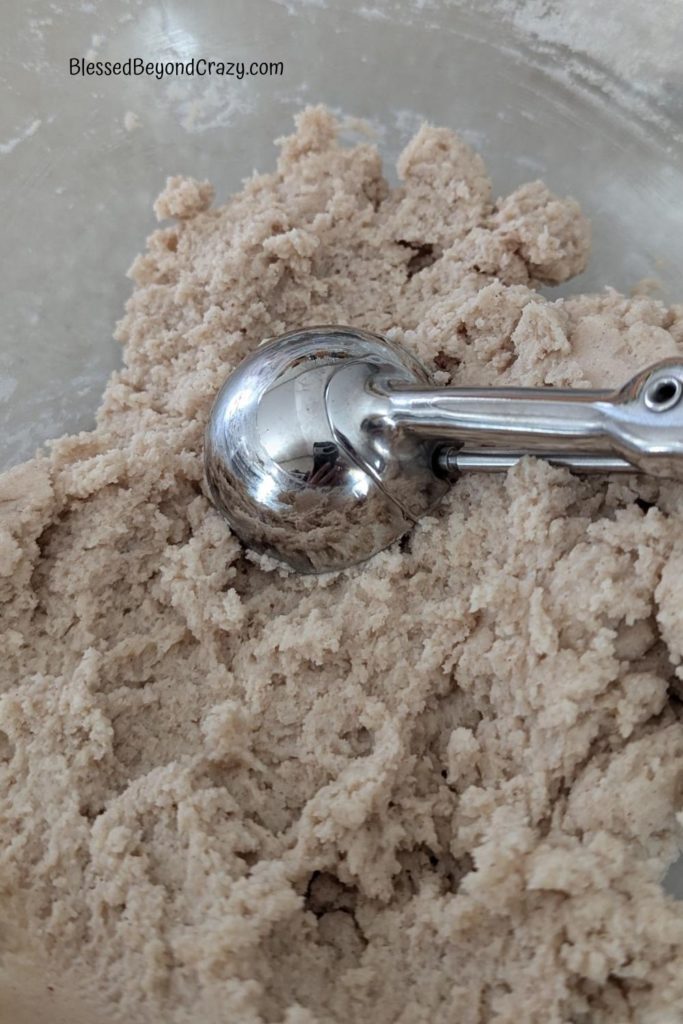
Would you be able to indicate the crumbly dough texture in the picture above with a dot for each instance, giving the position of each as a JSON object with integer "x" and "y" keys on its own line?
{"x": 438, "y": 787}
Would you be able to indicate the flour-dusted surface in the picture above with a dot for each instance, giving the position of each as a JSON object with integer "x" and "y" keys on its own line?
{"x": 439, "y": 787}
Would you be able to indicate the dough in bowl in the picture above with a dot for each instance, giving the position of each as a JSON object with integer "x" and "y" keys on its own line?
{"x": 441, "y": 786}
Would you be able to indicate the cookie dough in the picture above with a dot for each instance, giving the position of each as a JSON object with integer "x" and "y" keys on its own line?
{"x": 439, "y": 787}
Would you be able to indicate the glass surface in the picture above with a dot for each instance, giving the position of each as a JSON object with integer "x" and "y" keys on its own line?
{"x": 81, "y": 160}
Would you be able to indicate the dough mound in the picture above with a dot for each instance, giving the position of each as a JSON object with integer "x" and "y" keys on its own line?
{"x": 438, "y": 787}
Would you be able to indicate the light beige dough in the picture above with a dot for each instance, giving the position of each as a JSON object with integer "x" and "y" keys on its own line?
{"x": 438, "y": 787}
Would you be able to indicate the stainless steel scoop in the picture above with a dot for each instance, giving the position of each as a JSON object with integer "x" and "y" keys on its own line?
{"x": 329, "y": 443}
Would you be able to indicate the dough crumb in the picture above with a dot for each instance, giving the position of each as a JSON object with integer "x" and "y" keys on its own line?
{"x": 183, "y": 198}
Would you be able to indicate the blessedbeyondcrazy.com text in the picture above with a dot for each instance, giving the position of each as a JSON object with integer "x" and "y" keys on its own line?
{"x": 196, "y": 66}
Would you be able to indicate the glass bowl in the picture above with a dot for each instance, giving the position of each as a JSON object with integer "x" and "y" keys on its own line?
{"x": 586, "y": 96}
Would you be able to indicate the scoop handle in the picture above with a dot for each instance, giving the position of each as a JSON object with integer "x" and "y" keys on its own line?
{"x": 638, "y": 427}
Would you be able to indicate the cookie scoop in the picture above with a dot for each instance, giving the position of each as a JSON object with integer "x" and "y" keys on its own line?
{"x": 329, "y": 443}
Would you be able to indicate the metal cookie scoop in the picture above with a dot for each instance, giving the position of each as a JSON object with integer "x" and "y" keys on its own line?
{"x": 328, "y": 443}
